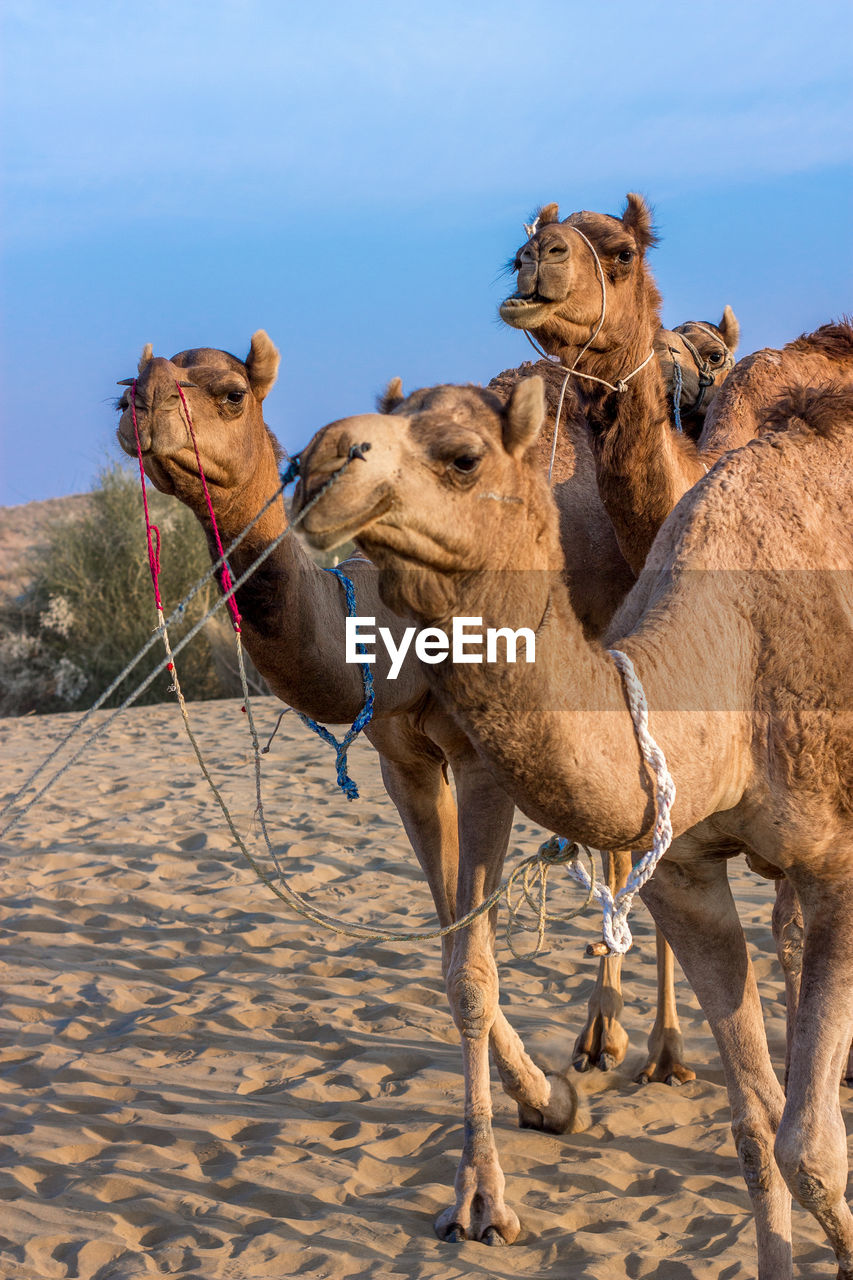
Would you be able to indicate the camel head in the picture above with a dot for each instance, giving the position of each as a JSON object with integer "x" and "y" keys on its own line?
{"x": 705, "y": 354}
{"x": 225, "y": 398}
{"x": 558, "y": 298}
{"x": 447, "y": 485}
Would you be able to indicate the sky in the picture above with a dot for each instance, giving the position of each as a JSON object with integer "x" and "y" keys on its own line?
{"x": 354, "y": 177}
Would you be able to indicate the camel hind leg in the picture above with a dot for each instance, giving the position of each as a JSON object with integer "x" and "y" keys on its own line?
{"x": 603, "y": 1042}
{"x": 666, "y": 1046}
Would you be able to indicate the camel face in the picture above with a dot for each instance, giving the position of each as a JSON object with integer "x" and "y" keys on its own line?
{"x": 223, "y": 395}
{"x": 442, "y": 476}
{"x": 704, "y": 354}
{"x": 559, "y": 293}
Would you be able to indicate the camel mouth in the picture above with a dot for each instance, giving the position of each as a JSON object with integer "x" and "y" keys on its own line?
{"x": 127, "y": 442}
{"x": 325, "y": 536}
{"x": 526, "y": 313}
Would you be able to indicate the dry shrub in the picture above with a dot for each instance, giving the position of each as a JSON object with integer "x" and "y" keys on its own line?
{"x": 89, "y": 607}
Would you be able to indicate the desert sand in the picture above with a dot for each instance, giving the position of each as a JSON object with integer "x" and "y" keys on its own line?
{"x": 198, "y": 1083}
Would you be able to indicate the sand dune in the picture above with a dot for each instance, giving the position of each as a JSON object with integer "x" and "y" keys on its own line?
{"x": 197, "y": 1083}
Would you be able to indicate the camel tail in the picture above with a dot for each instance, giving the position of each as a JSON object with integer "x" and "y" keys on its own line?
{"x": 825, "y": 411}
{"x": 835, "y": 341}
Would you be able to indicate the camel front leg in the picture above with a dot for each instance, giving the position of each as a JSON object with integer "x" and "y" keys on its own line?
{"x": 811, "y": 1145}
{"x": 666, "y": 1046}
{"x": 603, "y": 1042}
{"x": 693, "y": 906}
{"x": 479, "y": 1211}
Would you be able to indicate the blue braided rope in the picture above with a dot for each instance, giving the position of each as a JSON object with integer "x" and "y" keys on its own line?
{"x": 291, "y": 471}
{"x": 676, "y": 397}
{"x": 341, "y": 748}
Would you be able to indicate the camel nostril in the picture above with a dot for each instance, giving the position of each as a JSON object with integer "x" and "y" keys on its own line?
{"x": 359, "y": 450}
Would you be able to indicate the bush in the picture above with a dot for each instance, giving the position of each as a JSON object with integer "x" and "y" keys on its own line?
{"x": 90, "y": 605}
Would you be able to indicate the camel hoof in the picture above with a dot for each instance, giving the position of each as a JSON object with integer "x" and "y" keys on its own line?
{"x": 606, "y": 1062}
{"x": 581, "y": 1062}
{"x": 492, "y": 1236}
{"x": 455, "y": 1234}
{"x": 673, "y": 1081}
{"x": 561, "y": 1113}
{"x": 643, "y": 1078}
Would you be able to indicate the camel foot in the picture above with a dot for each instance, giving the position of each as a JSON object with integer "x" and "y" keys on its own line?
{"x": 561, "y": 1113}
{"x": 665, "y": 1065}
{"x": 603, "y": 1043}
{"x": 449, "y": 1229}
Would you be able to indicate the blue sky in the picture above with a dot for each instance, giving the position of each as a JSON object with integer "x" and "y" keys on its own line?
{"x": 352, "y": 178}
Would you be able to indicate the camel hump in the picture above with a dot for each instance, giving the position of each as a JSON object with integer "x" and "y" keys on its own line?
{"x": 826, "y": 411}
{"x": 835, "y": 341}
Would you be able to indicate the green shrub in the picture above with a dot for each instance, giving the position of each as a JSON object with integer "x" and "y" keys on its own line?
{"x": 90, "y": 606}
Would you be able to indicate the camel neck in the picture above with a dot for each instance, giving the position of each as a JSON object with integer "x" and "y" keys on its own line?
{"x": 642, "y": 467}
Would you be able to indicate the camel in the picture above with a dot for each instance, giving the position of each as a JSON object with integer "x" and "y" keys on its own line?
{"x": 741, "y": 632}
{"x": 703, "y": 355}
{"x": 293, "y": 620}
{"x": 642, "y": 468}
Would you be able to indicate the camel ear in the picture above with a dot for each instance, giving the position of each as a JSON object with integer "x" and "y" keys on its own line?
{"x": 147, "y": 355}
{"x": 637, "y": 218}
{"x": 524, "y": 413}
{"x": 262, "y": 364}
{"x": 392, "y": 396}
{"x": 730, "y": 329}
{"x": 541, "y": 218}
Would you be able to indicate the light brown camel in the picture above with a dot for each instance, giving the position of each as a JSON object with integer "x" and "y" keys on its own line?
{"x": 293, "y": 628}
{"x": 642, "y": 468}
{"x": 703, "y": 355}
{"x": 741, "y": 632}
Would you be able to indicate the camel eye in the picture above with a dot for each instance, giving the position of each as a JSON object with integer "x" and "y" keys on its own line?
{"x": 626, "y": 256}
{"x": 715, "y": 357}
{"x": 235, "y": 397}
{"x": 466, "y": 463}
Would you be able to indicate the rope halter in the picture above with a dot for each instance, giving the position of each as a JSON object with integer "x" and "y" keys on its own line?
{"x": 621, "y": 384}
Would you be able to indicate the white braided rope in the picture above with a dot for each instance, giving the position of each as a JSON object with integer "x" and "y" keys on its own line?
{"x": 615, "y": 908}
{"x": 621, "y": 385}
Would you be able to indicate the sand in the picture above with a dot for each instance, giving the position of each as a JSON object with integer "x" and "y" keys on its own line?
{"x": 197, "y": 1083}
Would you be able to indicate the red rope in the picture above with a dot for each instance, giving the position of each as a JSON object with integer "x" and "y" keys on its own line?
{"x": 152, "y": 533}
{"x": 225, "y": 575}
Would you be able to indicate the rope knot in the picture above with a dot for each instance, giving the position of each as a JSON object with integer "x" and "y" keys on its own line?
{"x": 291, "y": 471}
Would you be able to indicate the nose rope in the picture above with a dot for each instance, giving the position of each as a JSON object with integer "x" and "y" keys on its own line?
{"x": 620, "y": 386}
{"x": 225, "y": 575}
{"x": 152, "y": 533}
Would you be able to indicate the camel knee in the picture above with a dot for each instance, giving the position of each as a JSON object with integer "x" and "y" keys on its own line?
{"x": 813, "y": 1166}
{"x": 473, "y": 996}
{"x": 755, "y": 1153}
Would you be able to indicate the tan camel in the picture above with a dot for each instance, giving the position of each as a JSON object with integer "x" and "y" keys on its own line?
{"x": 293, "y": 628}
{"x": 702, "y": 354}
{"x": 741, "y": 632}
{"x": 643, "y": 467}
